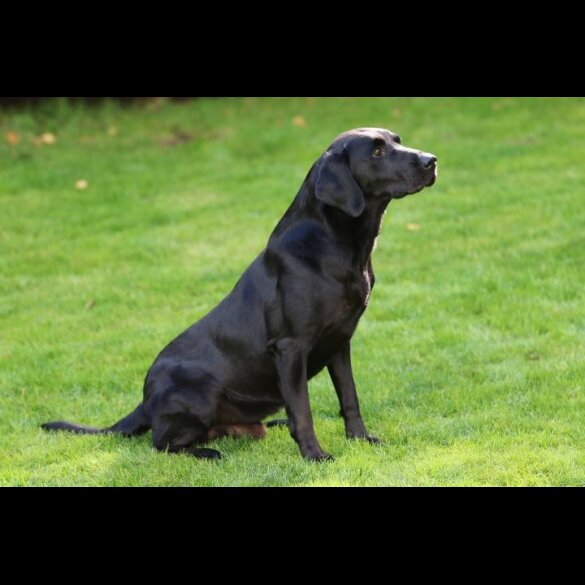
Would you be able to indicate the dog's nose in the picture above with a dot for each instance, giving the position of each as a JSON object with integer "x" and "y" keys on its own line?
{"x": 428, "y": 160}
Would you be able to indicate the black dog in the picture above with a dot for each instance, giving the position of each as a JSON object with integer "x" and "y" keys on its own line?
{"x": 292, "y": 313}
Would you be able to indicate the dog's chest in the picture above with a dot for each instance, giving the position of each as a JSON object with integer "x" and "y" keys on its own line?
{"x": 358, "y": 289}
{"x": 341, "y": 320}
{"x": 342, "y": 311}
{"x": 367, "y": 278}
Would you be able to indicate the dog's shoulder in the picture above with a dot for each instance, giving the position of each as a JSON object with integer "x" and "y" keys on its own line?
{"x": 306, "y": 241}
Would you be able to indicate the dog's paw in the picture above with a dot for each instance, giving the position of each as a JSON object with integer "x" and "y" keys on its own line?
{"x": 318, "y": 456}
{"x": 200, "y": 453}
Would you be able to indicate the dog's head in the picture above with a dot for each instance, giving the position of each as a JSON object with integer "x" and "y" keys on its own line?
{"x": 370, "y": 163}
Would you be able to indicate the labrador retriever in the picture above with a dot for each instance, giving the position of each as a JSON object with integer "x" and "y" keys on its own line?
{"x": 292, "y": 313}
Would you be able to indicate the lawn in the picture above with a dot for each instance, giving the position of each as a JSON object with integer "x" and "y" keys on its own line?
{"x": 470, "y": 360}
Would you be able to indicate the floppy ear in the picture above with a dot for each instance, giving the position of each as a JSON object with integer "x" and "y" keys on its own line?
{"x": 336, "y": 186}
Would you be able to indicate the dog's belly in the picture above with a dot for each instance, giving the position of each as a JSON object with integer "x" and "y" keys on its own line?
{"x": 249, "y": 389}
{"x": 256, "y": 395}
{"x": 232, "y": 410}
{"x": 252, "y": 398}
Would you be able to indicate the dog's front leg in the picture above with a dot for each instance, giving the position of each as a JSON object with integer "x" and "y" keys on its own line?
{"x": 341, "y": 374}
{"x": 291, "y": 366}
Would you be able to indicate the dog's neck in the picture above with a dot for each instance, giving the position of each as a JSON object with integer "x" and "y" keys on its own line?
{"x": 358, "y": 234}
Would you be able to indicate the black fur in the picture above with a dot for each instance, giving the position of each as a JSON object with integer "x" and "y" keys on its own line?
{"x": 291, "y": 314}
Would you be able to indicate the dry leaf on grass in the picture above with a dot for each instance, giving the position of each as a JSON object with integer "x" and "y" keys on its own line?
{"x": 82, "y": 184}
{"x": 12, "y": 138}
{"x": 113, "y": 131}
{"x": 90, "y": 304}
{"x": 413, "y": 227}
{"x": 299, "y": 121}
{"x": 178, "y": 136}
{"x": 47, "y": 138}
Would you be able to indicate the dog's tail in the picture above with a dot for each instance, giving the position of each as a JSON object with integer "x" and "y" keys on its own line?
{"x": 133, "y": 425}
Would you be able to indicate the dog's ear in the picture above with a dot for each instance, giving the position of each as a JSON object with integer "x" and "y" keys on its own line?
{"x": 336, "y": 186}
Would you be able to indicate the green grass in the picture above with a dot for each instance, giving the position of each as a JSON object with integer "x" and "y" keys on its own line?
{"x": 470, "y": 361}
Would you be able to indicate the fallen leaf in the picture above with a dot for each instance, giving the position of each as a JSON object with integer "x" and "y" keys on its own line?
{"x": 82, "y": 184}
{"x": 113, "y": 131}
{"x": 48, "y": 138}
{"x": 12, "y": 138}
{"x": 413, "y": 227}
{"x": 90, "y": 305}
{"x": 299, "y": 121}
{"x": 397, "y": 112}
{"x": 178, "y": 136}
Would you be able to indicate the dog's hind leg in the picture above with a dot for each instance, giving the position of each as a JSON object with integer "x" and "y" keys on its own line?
{"x": 182, "y": 417}
{"x": 181, "y": 433}
{"x": 185, "y": 443}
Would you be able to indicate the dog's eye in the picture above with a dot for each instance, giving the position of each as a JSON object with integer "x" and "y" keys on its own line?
{"x": 398, "y": 140}
{"x": 378, "y": 152}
